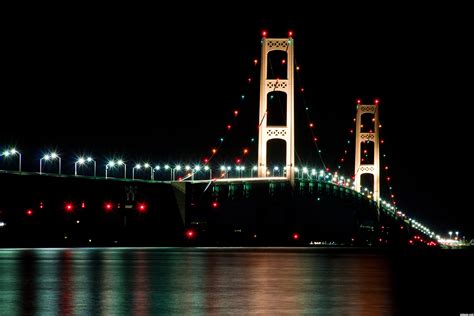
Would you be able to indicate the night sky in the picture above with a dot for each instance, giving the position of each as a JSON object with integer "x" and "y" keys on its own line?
{"x": 161, "y": 85}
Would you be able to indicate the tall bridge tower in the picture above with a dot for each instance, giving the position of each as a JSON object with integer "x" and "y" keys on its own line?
{"x": 286, "y": 85}
{"x": 372, "y": 136}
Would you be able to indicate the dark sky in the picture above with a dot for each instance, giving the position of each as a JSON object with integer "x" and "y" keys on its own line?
{"x": 161, "y": 85}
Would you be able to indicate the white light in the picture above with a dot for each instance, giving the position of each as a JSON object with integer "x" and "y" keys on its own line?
{"x": 138, "y": 166}
{"x": 111, "y": 163}
{"x": 275, "y": 168}
{"x": 54, "y": 155}
{"x": 146, "y": 165}
{"x": 13, "y": 151}
{"x": 187, "y": 167}
{"x": 120, "y": 162}
{"x": 197, "y": 168}
{"x": 178, "y": 167}
{"x": 157, "y": 168}
{"x": 222, "y": 168}
{"x": 89, "y": 159}
{"x": 46, "y": 157}
{"x": 305, "y": 170}
{"x": 254, "y": 168}
{"x": 81, "y": 160}
{"x": 242, "y": 167}
{"x": 167, "y": 167}
{"x": 296, "y": 169}
{"x": 6, "y": 153}
{"x": 206, "y": 168}
{"x": 2, "y": 224}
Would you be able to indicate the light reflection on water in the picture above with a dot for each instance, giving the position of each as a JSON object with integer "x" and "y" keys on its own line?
{"x": 155, "y": 281}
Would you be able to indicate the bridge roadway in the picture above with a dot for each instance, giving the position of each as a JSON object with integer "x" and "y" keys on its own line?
{"x": 224, "y": 211}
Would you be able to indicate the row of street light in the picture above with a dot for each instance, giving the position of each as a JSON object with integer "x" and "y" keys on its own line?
{"x": 190, "y": 171}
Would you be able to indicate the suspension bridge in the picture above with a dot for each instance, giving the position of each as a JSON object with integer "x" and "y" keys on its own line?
{"x": 111, "y": 202}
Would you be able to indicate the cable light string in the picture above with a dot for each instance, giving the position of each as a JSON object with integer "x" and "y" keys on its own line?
{"x": 311, "y": 125}
{"x": 341, "y": 161}
{"x": 217, "y": 148}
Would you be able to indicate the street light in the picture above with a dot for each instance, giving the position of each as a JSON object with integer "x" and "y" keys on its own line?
{"x": 82, "y": 161}
{"x": 157, "y": 168}
{"x": 297, "y": 170}
{"x": 254, "y": 168}
{"x": 206, "y": 168}
{"x": 112, "y": 164}
{"x": 137, "y": 166}
{"x": 275, "y": 169}
{"x": 145, "y": 166}
{"x": 173, "y": 171}
{"x": 457, "y": 235}
{"x": 450, "y": 234}
{"x": 12, "y": 152}
{"x": 195, "y": 170}
{"x": 48, "y": 157}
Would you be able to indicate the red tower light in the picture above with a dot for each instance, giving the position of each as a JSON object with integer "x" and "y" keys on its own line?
{"x": 190, "y": 233}
{"x": 29, "y": 212}
{"x": 264, "y": 33}
{"x": 296, "y": 236}
{"x": 290, "y": 34}
{"x": 69, "y": 207}
{"x": 215, "y": 204}
{"x": 108, "y": 206}
{"x": 142, "y": 207}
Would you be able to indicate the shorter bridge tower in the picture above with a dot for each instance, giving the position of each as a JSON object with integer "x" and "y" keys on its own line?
{"x": 361, "y": 137}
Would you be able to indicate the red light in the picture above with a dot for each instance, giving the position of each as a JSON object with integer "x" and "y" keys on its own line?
{"x": 264, "y": 33}
{"x": 283, "y": 61}
{"x": 190, "y": 233}
{"x": 83, "y": 204}
{"x": 237, "y": 161}
{"x": 229, "y": 127}
{"x": 315, "y": 139}
{"x": 141, "y": 207}
{"x": 302, "y": 89}
{"x": 296, "y": 236}
{"x": 29, "y": 212}
{"x": 69, "y": 207}
{"x": 311, "y": 125}
{"x": 108, "y": 206}
{"x": 206, "y": 160}
{"x": 236, "y": 112}
{"x": 411, "y": 242}
{"x": 358, "y": 101}
{"x": 382, "y": 141}
{"x": 376, "y": 101}
{"x": 246, "y": 151}
{"x": 290, "y": 34}
{"x": 215, "y": 204}
{"x": 255, "y": 61}
{"x": 41, "y": 205}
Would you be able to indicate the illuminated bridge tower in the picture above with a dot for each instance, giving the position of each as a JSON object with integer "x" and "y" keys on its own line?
{"x": 372, "y": 136}
{"x": 284, "y": 132}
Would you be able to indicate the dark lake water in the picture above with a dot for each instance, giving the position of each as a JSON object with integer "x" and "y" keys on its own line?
{"x": 220, "y": 281}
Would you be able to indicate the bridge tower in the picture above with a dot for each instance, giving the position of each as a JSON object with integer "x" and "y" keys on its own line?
{"x": 265, "y": 132}
{"x": 361, "y": 137}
